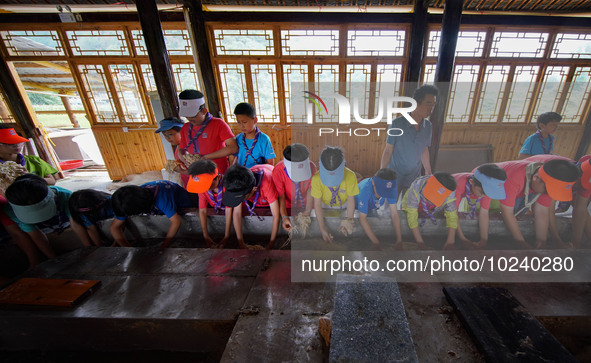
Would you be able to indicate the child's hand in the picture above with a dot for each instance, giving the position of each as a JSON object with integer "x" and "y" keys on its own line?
{"x": 347, "y": 226}
{"x": 286, "y": 223}
{"x": 209, "y": 242}
{"x": 327, "y": 237}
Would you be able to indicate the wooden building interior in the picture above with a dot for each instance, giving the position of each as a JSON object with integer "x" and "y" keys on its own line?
{"x": 498, "y": 65}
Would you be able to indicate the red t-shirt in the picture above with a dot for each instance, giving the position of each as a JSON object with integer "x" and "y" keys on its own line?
{"x": 212, "y": 139}
{"x": 4, "y": 219}
{"x": 461, "y": 180}
{"x": 285, "y": 186}
{"x": 267, "y": 194}
{"x": 515, "y": 184}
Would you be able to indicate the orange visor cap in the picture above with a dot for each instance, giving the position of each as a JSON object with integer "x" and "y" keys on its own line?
{"x": 201, "y": 183}
{"x": 435, "y": 192}
{"x": 557, "y": 189}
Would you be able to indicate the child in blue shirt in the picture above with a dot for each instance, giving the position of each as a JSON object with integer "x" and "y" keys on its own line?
{"x": 157, "y": 197}
{"x": 254, "y": 146}
{"x": 373, "y": 192}
{"x": 542, "y": 142}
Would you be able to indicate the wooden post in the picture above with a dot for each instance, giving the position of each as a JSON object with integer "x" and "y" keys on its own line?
{"x": 71, "y": 114}
{"x": 586, "y": 139}
{"x": 154, "y": 38}
{"x": 417, "y": 45}
{"x": 22, "y": 113}
{"x": 196, "y": 21}
{"x": 450, "y": 29}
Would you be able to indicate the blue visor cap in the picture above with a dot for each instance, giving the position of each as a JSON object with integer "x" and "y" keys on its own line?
{"x": 493, "y": 188}
{"x": 385, "y": 188}
{"x": 38, "y": 212}
{"x": 169, "y": 123}
{"x": 332, "y": 178}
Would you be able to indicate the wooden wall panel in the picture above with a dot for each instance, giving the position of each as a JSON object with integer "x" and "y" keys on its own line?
{"x": 130, "y": 152}
{"x": 508, "y": 139}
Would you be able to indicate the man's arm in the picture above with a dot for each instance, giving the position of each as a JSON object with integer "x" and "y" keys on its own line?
{"x": 230, "y": 148}
{"x": 426, "y": 161}
{"x": 386, "y": 155}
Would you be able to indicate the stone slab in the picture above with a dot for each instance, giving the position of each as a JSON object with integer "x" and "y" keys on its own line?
{"x": 369, "y": 323}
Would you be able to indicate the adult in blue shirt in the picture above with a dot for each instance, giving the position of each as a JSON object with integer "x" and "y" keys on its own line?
{"x": 405, "y": 153}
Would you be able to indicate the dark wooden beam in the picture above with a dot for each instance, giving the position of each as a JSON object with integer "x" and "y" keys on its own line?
{"x": 20, "y": 111}
{"x": 196, "y": 23}
{"x": 417, "y": 45}
{"x": 585, "y": 140}
{"x": 161, "y": 69}
{"x": 450, "y": 29}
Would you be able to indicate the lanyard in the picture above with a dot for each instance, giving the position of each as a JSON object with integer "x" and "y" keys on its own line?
{"x": 531, "y": 169}
{"x": 428, "y": 213}
{"x": 256, "y": 198}
{"x": 334, "y": 195}
{"x": 472, "y": 205}
{"x": 218, "y": 196}
{"x": 299, "y": 197}
{"x": 249, "y": 151}
{"x": 546, "y": 151}
{"x": 193, "y": 140}
{"x": 154, "y": 188}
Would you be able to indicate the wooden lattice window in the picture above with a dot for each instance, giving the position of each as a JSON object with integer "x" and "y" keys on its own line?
{"x": 295, "y": 75}
{"x": 233, "y": 86}
{"x": 375, "y": 42}
{"x": 265, "y": 92}
{"x": 577, "y": 96}
{"x": 243, "y": 42}
{"x": 32, "y": 43}
{"x": 177, "y": 42}
{"x": 550, "y": 92}
{"x": 311, "y": 42}
{"x": 124, "y": 79}
{"x": 98, "y": 42}
{"x": 574, "y": 46}
{"x": 98, "y": 93}
{"x": 493, "y": 89}
{"x": 469, "y": 44}
{"x": 518, "y": 44}
{"x": 461, "y": 96}
{"x": 184, "y": 76}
